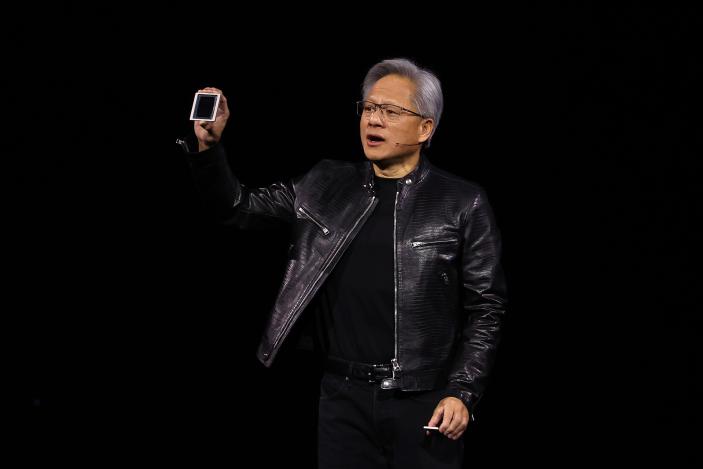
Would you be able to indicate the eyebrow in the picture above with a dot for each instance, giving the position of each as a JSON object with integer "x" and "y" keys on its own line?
{"x": 394, "y": 103}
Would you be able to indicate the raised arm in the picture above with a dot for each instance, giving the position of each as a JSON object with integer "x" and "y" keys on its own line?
{"x": 231, "y": 202}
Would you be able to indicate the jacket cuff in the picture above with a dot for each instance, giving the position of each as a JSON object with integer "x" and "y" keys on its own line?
{"x": 206, "y": 157}
{"x": 470, "y": 400}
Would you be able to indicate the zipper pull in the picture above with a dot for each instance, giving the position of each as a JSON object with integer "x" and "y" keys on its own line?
{"x": 183, "y": 144}
{"x": 445, "y": 277}
{"x": 396, "y": 367}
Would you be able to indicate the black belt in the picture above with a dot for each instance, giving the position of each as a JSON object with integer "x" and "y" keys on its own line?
{"x": 381, "y": 373}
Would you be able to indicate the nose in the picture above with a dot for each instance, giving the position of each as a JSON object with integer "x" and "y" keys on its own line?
{"x": 376, "y": 117}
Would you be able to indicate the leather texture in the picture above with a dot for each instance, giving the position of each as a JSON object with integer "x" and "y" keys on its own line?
{"x": 450, "y": 287}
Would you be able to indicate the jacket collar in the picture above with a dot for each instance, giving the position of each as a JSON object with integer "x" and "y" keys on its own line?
{"x": 413, "y": 177}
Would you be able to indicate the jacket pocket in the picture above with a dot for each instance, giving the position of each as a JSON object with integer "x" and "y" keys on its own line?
{"x": 433, "y": 242}
{"x": 306, "y": 214}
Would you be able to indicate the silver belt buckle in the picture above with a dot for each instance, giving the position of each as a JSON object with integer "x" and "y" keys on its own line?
{"x": 389, "y": 383}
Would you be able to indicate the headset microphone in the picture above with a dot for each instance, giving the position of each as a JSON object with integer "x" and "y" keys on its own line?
{"x": 408, "y": 144}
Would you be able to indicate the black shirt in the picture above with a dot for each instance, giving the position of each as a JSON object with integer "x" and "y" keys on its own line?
{"x": 358, "y": 297}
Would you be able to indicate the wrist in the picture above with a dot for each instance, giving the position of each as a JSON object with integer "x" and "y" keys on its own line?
{"x": 203, "y": 146}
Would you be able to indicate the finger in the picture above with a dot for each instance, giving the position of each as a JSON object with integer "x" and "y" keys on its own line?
{"x": 210, "y": 89}
{"x": 206, "y": 125}
{"x": 457, "y": 428}
{"x": 446, "y": 421}
{"x": 456, "y": 435}
{"x": 223, "y": 105}
{"x": 436, "y": 417}
{"x": 457, "y": 419}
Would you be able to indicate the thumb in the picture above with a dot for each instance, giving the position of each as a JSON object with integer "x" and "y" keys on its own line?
{"x": 436, "y": 416}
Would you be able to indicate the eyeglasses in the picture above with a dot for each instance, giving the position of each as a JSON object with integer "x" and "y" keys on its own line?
{"x": 389, "y": 112}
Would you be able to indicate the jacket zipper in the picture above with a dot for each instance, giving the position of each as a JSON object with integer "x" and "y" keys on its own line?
{"x": 302, "y": 300}
{"x": 311, "y": 218}
{"x": 394, "y": 361}
{"x": 416, "y": 244}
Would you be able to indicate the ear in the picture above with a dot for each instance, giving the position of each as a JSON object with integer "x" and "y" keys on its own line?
{"x": 425, "y": 129}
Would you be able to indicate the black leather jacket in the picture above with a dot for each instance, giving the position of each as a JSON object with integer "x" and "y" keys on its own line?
{"x": 449, "y": 286}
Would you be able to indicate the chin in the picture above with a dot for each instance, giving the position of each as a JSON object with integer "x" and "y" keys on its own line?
{"x": 376, "y": 154}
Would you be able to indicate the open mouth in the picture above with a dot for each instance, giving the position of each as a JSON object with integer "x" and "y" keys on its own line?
{"x": 374, "y": 140}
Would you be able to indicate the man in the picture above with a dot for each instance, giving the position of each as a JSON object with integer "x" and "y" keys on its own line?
{"x": 401, "y": 261}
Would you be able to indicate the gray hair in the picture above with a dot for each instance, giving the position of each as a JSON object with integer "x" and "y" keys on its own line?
{"x": 428, "y": 97}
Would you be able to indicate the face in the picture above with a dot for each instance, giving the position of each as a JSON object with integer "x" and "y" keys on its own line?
{"x": 383, "y": 140}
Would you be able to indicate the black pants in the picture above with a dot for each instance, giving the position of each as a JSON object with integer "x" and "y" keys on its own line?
{"x": 363, "y": 426}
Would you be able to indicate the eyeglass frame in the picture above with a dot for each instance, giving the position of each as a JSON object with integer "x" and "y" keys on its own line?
{"x": 381, "y": 106}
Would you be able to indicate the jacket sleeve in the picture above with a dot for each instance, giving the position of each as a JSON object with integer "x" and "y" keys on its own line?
{"x": 483, "y": 300}
{"x": 233, "y": 203}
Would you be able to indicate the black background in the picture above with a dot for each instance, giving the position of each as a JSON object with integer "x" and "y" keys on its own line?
{"x": 134, "y": 321}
